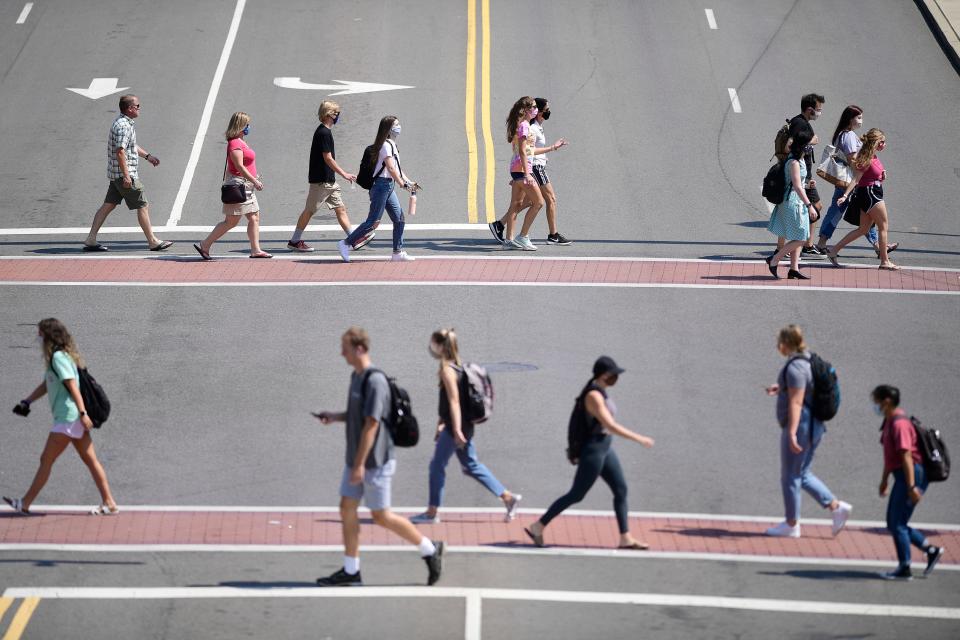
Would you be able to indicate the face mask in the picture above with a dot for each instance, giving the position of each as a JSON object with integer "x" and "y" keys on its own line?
{"x": 532, "y": 113}
{"x": 877, "y": 409}
{"x": 858, "y": 122}
{"x": 395, "y": 130}
{"x": 816, "y": 114}
{"x": 546, "y": 114}
{"x": 336, "y": 118}
{"x": 246, "y": 130}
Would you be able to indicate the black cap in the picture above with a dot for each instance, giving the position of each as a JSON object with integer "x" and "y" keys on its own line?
{"x": 605, "y": 364}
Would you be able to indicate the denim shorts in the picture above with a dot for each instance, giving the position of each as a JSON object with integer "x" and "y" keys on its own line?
{"x": 375, "y": 488}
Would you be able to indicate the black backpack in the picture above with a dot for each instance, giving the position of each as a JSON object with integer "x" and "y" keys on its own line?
{"x": 371, "y": 154}
{"x": 775, "y": 184}
{"x": 401, "y": 423}
{"x": 936, "y": 458}
{"x": 578, "y": 429}
{"x": 826, "y": 388}
{"x": 94, "y": 398}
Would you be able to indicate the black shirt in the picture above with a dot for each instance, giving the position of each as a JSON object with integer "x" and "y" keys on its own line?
{"x": 443, "y": 408}
{"x": 799, "y": 123}
{"x": 322, "y": 143}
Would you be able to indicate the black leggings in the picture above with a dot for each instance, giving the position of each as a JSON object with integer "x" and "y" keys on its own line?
{"x": 597, "y": 459}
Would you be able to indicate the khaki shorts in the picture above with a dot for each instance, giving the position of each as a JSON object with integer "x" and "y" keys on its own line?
{"x": 327, "y": 193}
{"x": 117, "y": 193}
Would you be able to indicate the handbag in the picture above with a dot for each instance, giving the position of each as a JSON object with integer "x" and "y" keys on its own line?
{"x": 833, "y": 170}
{"x": 233, "y": 190}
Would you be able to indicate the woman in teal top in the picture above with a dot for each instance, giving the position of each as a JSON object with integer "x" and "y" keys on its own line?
{"x": 71, "y": 424}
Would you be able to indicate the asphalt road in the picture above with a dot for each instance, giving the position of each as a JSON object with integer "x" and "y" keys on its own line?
{"x": 213, "y": 386}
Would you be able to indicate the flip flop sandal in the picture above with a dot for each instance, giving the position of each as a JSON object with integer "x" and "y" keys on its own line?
{"x": 261, "y": 255}
{"x": 163, "y": 246}
{"x": 16, "y": 504}
{"x": 889, "y": 267}
{"x": 203, "y": 254}
{"x": 537, "y": 539}
{"x": 104, "y": 510}
{"x": 635, "y": 546}
{"x": 95, "y": 247}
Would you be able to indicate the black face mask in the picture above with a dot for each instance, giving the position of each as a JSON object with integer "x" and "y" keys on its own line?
{"x": 546, "y": 114}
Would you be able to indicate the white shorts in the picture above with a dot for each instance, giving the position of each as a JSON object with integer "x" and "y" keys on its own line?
{"x": 74, "y": 429}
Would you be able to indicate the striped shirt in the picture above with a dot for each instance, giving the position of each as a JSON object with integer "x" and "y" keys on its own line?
{"x": 122, "y": 135}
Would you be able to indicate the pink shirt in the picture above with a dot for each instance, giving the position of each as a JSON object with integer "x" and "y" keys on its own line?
{"x": 249, "y": 157}
{"x": 872, "y": 174}
{"x": 898, "y": 435}
{"x": 523, "y": 131}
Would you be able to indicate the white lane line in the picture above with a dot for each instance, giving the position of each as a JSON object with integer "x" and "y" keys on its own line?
{"x": 734, "y": 100}
{"x": 711, "y": 20}
{"x": 446, "y": 283}
{"x": 467, "y": 549}
{"x": 170, "y": 228}
{"x": 583, "y": 513}
{"x": 23, "y": 14}
{"x": 178, "y": 202}
{"x": 474, "y": 616}
{"x": 529, "y": 595}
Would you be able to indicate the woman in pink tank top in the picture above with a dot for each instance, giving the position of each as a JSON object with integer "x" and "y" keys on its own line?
{"x": 867, "y": 199}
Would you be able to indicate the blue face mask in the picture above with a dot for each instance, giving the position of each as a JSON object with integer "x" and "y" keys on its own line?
{"x": 336, "y": 119}
{"x": 246, "y": 130}
{"x": 395, "y": 130}
{"x": 877, "y": 409}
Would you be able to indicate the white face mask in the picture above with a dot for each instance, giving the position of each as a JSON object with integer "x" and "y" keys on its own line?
{"x": 857, "y": 122}
{"x": 395, "y": 130}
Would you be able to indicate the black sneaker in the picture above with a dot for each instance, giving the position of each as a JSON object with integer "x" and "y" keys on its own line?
{"x": 811, "y": 252}
{"x": 341, "y": 579}
{"x": 496, "y": 228}
{"x": 559, "y": 239}
{"x": 901, "y": 573}
{"x": 435, "y": 563}
{"x": 933, "y": 557}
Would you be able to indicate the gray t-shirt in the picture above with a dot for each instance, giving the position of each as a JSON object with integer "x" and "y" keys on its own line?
{"x": 795, "y": 374}
{"x": 376, "y": 404}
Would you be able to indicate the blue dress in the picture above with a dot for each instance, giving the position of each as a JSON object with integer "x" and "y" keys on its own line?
{"x": 790, "y": 219}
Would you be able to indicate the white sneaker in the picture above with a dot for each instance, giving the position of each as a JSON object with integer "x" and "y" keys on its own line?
{"x": 784, "y": 530}
{"x": 344, "y": 250}
{"x": 840, "y": 515}
{"x": 402, "y": 256}
{"x": 425, "y": 518}
{"x": 524, "y": 243}
{"x": 509, "y": 244}
{"x": 512, "y": 507}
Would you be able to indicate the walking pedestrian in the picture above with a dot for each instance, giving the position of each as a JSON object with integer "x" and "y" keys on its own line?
{"x": 790, "y": 220}
{"x": 123, "y": 159}
{"x": 524, "y": 193}
{"x": 240, "y": 167}
{"x": 902, "y": 459}
{"x": 596, "y": 458}
{"x": 322, "y": 176}
{"x": 811, "y": 107}
{"x": 800, "y": 435}
{"x": 387, "y": 174}
{"x": 369, "y": 465}
{"x": 867, "y": 188}
{"x": 455, "y": 434}
{"x": 539, "y": 172}
{"x": 847, "y": 143}
{"x": 71, "y": 424}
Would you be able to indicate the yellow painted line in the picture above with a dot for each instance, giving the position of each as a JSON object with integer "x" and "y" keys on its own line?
{"x": 471, "y": 105}
{"x": 485, "y": 111}
{"x": 22, "y": 617}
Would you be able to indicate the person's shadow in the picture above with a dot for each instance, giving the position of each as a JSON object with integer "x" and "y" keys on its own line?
{"x": 826, "y": 574}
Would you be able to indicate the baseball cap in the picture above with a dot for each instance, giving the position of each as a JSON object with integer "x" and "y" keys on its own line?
{"x": 605, "y": 364}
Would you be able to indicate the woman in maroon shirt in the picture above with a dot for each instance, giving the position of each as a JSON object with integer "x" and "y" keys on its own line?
{"x": 868, "y": 176}
{"x": 902, "y": 458}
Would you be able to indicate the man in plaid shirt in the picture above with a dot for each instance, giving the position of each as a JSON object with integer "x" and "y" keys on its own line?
{"x": 123, "y": 159}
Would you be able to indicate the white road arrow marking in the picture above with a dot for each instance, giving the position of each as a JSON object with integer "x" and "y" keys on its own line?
{"x": 99, "y": 87}
{"x": 345, "y": 87}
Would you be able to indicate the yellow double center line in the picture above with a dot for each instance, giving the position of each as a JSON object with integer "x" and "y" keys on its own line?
{"x": 473, "y": 207}
{"x": 20, "y": 619}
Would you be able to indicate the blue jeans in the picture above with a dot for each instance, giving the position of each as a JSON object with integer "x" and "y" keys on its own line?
{"x": 795, "y": 467}
{"x": 899, "y": 510}
{"x": 442, "y": 452}
{"x": 834, "y": 215}
{"x": 382, "y": 196}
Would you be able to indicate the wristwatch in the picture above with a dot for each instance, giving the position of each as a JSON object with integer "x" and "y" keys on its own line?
{"x": 83, "y": 413}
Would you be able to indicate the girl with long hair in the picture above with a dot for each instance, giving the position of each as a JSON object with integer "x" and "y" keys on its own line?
{"x": 241, "y": 167}
{"x": 387, "y": 173}
{"x": 524, "y": 192}
{"x": 71, "y": 424}
{"x": 868, "y": 177}
{"x": 790, "y": 219}
{"x": 455, "y": 435}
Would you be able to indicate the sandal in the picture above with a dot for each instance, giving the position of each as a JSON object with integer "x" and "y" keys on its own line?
{"x": 891, "y": 247}
{"x": 104, "y": 510}
{"x": 203, "y": 254}
{"x": 95, "y": 247}
{"x": 636, "y": 545}
{"x": 537, "y": 539}
{"x": 889, "y": 266}
{"x": 16, "y": 504}
{"x": 163, "y": 246}
{"x": 262, "y": 254}
{"x": 832, "y": 257}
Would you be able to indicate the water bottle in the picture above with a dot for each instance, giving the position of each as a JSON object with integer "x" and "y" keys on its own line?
{"x": 412, "y": 206}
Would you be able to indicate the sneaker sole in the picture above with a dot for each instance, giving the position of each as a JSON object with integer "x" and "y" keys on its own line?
{"x": 310, "y": 250}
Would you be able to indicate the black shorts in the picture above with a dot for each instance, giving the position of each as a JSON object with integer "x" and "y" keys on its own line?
{"x": 813, "y": 195}
{"x": 540, "y": 174}
{"x": 866, "y": 198}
